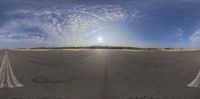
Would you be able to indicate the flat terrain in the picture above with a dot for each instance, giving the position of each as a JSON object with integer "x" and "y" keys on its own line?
{"x": 103, "y": 74}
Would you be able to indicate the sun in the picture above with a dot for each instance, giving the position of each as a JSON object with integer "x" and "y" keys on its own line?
{"x": 100, "y": 40}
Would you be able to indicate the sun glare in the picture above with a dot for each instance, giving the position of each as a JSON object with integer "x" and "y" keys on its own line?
{"x": 99, "y": 38}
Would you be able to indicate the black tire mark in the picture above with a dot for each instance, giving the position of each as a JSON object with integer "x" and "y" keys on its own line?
{"x": 35, "y": 61}
{"x": 137, "y": 63}
{"x": 108, "y": 90}
{"x": 44, "y": 80}
{"x": 172, "y": 63}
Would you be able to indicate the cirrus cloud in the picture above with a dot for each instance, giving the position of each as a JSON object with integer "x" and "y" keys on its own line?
{"x": 62, "y": 25}
{"x": 195, "y": 38}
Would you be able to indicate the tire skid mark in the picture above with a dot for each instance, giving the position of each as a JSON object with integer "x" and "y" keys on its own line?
{"x": 46, "y": 80}
{"x": 43, "y": 80}
{"x": 130, "y": 69}
{"x": 185, "y": 60}
{"x": 108, "y": 89}
{"x": 35, "y": 61}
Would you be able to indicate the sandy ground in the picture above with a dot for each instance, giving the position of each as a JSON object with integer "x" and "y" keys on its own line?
{"x": 103, "y": 74}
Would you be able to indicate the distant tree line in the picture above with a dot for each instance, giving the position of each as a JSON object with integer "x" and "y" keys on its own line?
{"x": 97, "y": 47}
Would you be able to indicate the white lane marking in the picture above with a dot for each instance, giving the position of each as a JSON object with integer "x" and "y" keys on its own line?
{"x": 195, "y": 82}
{"x": 7, "y": 77}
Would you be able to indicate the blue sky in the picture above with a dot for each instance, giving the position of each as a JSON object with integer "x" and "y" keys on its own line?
{"x": 137, "y": 23}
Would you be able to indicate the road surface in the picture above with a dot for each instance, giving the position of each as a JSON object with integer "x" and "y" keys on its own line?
{"x": 103, "y": 74}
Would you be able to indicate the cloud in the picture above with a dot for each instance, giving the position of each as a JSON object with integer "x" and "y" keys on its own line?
{"x": 192, "y": 1}
{"x": 177, "y": 34}
{"x": 62, "y": 25}
{"x": 195, "y": 38}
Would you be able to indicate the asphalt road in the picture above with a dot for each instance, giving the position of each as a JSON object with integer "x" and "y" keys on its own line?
{"x": 103, "y": 74}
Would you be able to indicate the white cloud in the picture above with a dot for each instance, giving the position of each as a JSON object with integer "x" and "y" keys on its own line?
{"x": 194, "y": 1}
{"x": 177, "y": 34}
{"x": 195, "y": 38}
{"x": 63, "y": 25}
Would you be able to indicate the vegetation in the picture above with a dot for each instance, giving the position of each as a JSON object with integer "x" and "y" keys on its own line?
{"x": 98, "y": 47}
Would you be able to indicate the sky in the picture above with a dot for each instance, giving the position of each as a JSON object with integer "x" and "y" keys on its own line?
{"x": 134, "y": 23}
